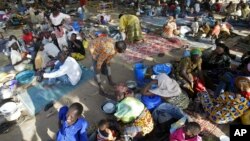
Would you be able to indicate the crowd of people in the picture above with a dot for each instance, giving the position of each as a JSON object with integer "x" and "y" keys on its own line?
{"x": 206, "y": 80}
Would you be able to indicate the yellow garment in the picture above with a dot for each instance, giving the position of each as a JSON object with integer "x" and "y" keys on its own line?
{"x": 130, "y": 25}
{"x": 127, "y": 20}
{"x": 245, "y": 118}
{"x": 77, "y": 56}
{"x": 245, "y": 13}
{"x": 85, "y": 43}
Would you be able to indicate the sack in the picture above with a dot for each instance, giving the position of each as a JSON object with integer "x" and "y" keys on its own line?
{"x": 245, "y": 118}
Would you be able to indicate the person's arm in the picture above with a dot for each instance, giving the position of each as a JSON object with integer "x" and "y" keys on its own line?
{"x": 83, "y": 134}
{"x": 200, "y": 72}
{"x": 122, "y": 24}
{"x": 62, "y": 115}
{"x": 76, "y": 44}
{"x": 145, "y": 90}
{"x": 62, "y": 71}
{"x": 184, "y": 74}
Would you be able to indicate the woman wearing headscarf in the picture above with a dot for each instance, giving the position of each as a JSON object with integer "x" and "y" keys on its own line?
{"x": 130, "y": 25}
{"x": 170, "y": 28}
{"x": 169, "y": 89}
{"x": 132, "y": 112}
{"x": 189, "y": 69}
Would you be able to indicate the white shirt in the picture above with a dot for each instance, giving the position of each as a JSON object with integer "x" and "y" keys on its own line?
{"x": 195, "y": 27}
{"x": 58, "y": 19}
{"x": 51, "y": 49}
{"x": 70, "y": 68}
{"x": 197, "y": 7}
{"x": 15, "y": 57}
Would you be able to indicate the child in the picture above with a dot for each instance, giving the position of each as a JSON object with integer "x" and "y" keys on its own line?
{"x": 197, "y": 7}
{"x": 104, "y": 133}
{"x": 177, "y": 11}
{"x": 190, "y": 132}
{"x": 195, "y": 26}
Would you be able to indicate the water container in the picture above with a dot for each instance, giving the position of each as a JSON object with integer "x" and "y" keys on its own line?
{"x": 76, "y": 26}
{"x": 151, "y": 102}
{"x": 139, "y": 73}
{"x": 161, "y": 68}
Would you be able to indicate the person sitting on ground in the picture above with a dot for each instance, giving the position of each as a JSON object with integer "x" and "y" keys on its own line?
{"x": 217, "y": 59}
{"x": 227, "y": 82}
{"x": 51, "y": 50}
{"x": 195, "y": 26}
{"x": 170, "y": 28}
{"x": 215, "y": 31}
{"x": 130, "y": 24}
{"x": 27, "y": 37}
{"x": 41, "y": 59}
{"x": 72, "y": 126}
{"x": 76, "y": 48}
{"x": 63, "y": 69}
{"x": 169, "y": 89}
{"x": 189, "y": 69}
{"x": 18, "y": 59}
{"x": 226, "y": 28}
{"x": 225, "y": 108}
{"x": 215, "y": 64}
{"x": 190, "y": 132}
{"x": 132, "y": 112}
{"x": 245, "y": 12}
{"x": 237, "y": 14}
{"x": 203, "y": 31}
{"x": 104, "y": 133}
{"x": 217, "y": 6}
{"x": 103, "y": 49}
{"x": 230, "y": 8}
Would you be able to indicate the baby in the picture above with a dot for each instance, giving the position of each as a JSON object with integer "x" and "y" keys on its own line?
{"x": 190, "y": 132}
{"x": 104, "y": 133}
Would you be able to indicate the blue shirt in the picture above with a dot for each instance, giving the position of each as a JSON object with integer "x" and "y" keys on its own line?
{"x": 75, "y": 132}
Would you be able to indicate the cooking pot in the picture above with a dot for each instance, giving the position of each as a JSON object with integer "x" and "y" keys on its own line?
{"x": 10, "y": 111}
{"x": 109, "y": 107}
{"x": 7, "y": 89}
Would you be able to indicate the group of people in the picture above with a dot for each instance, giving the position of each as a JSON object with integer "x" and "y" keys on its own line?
{"x": 54, "y": 50}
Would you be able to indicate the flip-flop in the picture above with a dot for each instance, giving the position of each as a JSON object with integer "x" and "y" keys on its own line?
{"x": 49, "y": 105}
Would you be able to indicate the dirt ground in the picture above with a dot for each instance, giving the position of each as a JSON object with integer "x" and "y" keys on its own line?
{"x": 43, "y": 126}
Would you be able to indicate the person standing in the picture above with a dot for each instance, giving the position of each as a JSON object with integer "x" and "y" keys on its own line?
{"x": 72, "y": 126}
{"x": 103, "y": 49}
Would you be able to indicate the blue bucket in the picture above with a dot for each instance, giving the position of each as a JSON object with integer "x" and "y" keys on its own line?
{"x": 139, "y": 73}
{"x": 151, "y": 102}
{"x": 25, "y": 77}
{"x": 76, "y": 26}
{"x": 161, "y": 68}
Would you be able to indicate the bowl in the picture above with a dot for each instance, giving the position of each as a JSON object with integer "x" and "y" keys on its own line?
{"x": 25, "y": 77}
{"x": 109, "y": 107}
{"x": 131, "y": 84}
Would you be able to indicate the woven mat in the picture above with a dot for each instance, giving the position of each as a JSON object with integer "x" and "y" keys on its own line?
{"x": 152, "y": 45}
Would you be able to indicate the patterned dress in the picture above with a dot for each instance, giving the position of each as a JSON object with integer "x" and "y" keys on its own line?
{"x": 226, "y": 108}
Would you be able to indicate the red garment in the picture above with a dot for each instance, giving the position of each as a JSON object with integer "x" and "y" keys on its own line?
{"x": 218, "y": 7}
{"x": 83, "y": 2}
{"x": 246, "y": 95}
{"x": 28, "y": 38}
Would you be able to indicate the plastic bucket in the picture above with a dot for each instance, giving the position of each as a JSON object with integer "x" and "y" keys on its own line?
{"x": 161, "y": 68}
{"x": 151, "y": 102}
{"x": 139, "y": 73}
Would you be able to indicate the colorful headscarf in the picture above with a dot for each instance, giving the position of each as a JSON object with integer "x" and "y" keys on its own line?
{"x": 196, "y": 52}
